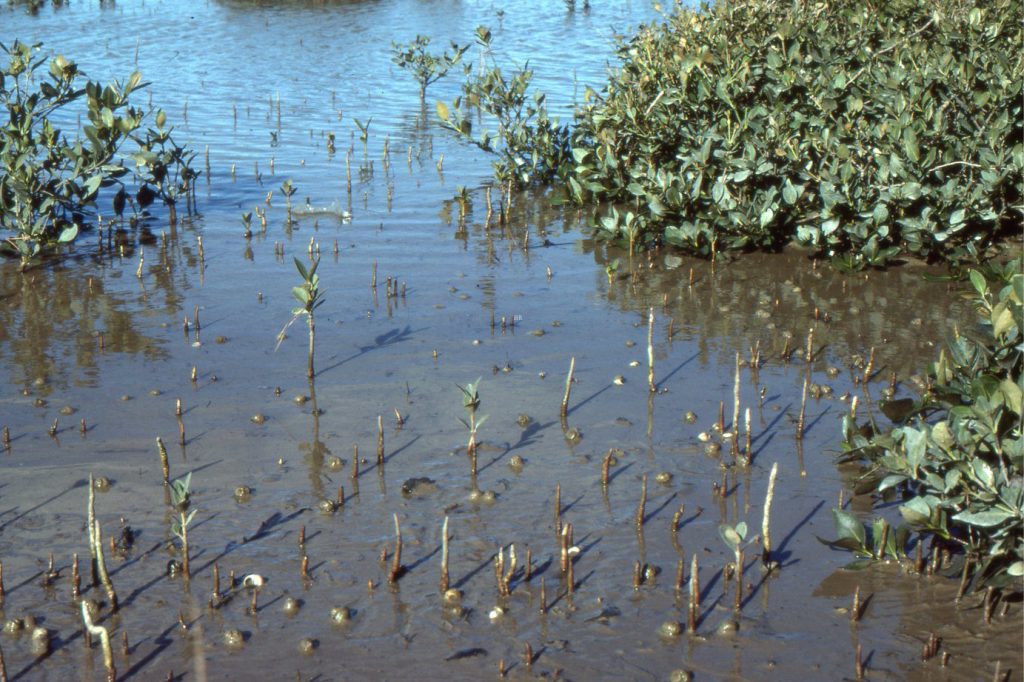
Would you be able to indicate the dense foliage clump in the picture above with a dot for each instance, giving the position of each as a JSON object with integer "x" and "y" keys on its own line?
{"x": 861, "y": 130}
{"x": 957, "y": 457}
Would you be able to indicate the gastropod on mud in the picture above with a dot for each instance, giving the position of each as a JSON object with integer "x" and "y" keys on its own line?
{"x": 573, "y": 435}
{"x": 335, "y": 463}
{"x": 663, "y": 477}
{"x": 341, "y": 615}
{"x": 690, "y": 417}
{"x": 243, "y": 493}
{"x": 523, "y": 420}
{"x": 258, "y": 418}
{"x": 515, "y": 463}
{"x": 291, "y": 606}
{"x": 327, "y": 506}
{"x": 307, "y": 645}
{"x": 233, "y": 638}
{"x": 618, "y": 380}
{"x": 101, "y": 484}
{"x": 40, "y": 641}
{"x": 485, "y": 496}
{"x": 670, "y": 629}
{"x": 728, "y": 627}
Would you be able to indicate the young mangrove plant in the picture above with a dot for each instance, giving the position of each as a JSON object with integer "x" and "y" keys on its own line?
{"x": 288, "y": 190}
{"x": 181, "y": 500}
{"x": 48, "y": 183}
{"x": 310, "y": 298}
{"x": 531, "y": 148}
{"x": 425, "y": 67}
{"x": 364, "y": 132}
{"x": 471, "y": 401}
{"x": 164, "y": 171}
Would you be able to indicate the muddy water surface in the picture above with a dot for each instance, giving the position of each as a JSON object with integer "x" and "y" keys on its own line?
{"x": 90, "y": 340}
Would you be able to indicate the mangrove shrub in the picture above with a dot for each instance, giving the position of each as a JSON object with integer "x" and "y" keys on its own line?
{"x": 861, "y": 130}
{"x": 48, "y": 182}
{"x": 956, "y": 458}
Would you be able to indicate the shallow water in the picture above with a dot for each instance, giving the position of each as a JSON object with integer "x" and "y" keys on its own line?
{"x": 87, "y": 334}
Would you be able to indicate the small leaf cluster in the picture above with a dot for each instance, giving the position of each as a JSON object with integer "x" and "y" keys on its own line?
{"x": 530, "y": 147}
{"x": 308, "y": 293}
{"x": 425, "y": 67}
{"x": 471, "y": 401}
{"x": 163, "y": 170}
{"x": 861, "y": 132}
{"x": 876, "y": 545}
{"x": 49, "y": 182}
{"x": 957, "y": 458}
{"x": 181, "y": 500}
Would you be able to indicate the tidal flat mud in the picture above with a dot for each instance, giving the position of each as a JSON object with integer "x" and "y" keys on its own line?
{"x": 297, "y": 485}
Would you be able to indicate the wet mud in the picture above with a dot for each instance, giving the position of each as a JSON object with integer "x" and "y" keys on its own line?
{"x": 298, "y": 484}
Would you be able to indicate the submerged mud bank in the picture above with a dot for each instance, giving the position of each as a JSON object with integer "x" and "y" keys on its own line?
{"x": 97, "y": 357}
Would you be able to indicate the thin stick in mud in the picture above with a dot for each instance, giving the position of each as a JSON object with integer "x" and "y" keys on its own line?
{"x": 94, "y": 573}
{"x": 165, "y": 465}
{"x": 740, "y": 560}
{"x": 444, "y": 556}
{"x": 641, "y": 508}
{"x": 694, "y": 595}
{"x": 396, "y": 560}
{"x": 766, "y": 554}
{"x": 76, "y": 579}
{"x": 650, "y": 351}
{"x": 380, "y": 441}
{"x": 568, "y": 388}
{"x": 101, "y": 632}
{"x": 736, "y": 406}
{"x": 803, "y": 407}
{"x": 101, "y": 565}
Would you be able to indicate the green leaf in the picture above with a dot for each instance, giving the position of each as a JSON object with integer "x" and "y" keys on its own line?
{"x": 978, "y": 280}
{"x": 916, "y": 511}
{"x": 984, "y": 519}
{"x": 729, "y": 535}
{"x": 69, "y": 233}
{"x": 848, "y": 526}
{"x": 442, "y": 111}
{"x": 910, "y": 144}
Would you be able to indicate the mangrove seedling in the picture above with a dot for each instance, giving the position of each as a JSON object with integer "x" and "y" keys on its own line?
{"x": 426, "y": 68}
{"x": 288, "y": 190}
{"x": 611, "y": 269}
{"x": 181, "y": 500}
{"x": 247, "y": 225}
{"x": 735, "y": 538}
{"x": 308, "y": 294}
{"x": 364, "y": 132}
{"x": 471, "y": 401}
